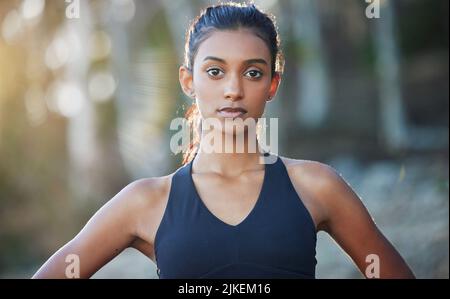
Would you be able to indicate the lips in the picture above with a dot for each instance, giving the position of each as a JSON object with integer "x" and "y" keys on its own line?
{"x": 231, "y": 111}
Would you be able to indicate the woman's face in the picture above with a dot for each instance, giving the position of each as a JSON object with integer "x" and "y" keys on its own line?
{"x": 231, "y": 69}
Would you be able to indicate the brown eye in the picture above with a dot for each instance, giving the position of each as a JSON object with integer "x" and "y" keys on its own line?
{"x": 254, "y": 74}
{"x": 214, "y": 72}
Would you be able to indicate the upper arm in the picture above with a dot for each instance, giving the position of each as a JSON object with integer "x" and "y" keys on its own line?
{"x": 349, "y": 223}
{"x": 110, "y": 230}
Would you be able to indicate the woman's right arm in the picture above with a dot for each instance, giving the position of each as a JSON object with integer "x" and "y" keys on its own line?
{"x": 110, "y": 230}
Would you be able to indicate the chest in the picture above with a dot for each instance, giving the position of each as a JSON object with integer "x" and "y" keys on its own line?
{"x": 230, "y": 200}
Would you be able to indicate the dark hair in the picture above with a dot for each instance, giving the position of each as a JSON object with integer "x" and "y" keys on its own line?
{"x": 227, "y": 16}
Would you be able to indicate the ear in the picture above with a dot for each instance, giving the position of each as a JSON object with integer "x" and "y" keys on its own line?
{"x": 276, "y": 79}
{"x": 186, "y": 81}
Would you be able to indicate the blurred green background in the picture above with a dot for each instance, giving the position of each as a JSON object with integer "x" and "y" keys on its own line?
{"x": 88, "y": 90}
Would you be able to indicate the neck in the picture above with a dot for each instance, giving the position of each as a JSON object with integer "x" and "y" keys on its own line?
{"x": 225, "y": 157}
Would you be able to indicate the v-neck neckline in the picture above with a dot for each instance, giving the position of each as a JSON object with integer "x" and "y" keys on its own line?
{"x": 258, "y": 202}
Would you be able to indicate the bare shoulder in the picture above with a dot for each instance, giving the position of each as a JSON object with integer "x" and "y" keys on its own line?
{"x": 315, "y": 182}
{"x": 320, "y": 176}
{"x": 149, "y": 196}
{"x": 316, "y": 173}
{"x": 340, "y": 212}
{"x": 138, "y": 194}
{"x": 325, "y": 187}
{"x": 149, "y": 191}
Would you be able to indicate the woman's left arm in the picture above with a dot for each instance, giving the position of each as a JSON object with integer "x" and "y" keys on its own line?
{"x": 349, "y": 223}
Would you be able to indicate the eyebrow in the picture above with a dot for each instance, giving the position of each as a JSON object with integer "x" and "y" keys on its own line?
{"x": 248, "y": 61}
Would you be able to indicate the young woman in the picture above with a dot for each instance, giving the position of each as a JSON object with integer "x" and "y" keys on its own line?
{"x": 226, "y": 214}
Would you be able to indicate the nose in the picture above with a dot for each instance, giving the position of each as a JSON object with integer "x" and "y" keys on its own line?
{"x": 233, "y": 89}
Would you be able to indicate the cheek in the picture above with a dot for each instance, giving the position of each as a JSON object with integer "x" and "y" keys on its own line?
{"x": 202, "y": 94}
{"x": 256, "y": 95}
{"x": 258, "y": 90}
{"x": 258, "y": 109}
{"x": 205, "y": 90}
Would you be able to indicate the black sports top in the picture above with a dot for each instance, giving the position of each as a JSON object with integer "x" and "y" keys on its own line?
{"x": 276, "y": 240}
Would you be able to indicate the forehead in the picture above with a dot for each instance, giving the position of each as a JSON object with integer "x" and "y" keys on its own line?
{"x": 233, "y": 46}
